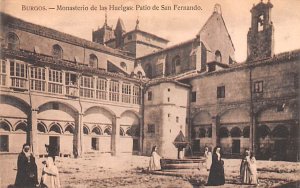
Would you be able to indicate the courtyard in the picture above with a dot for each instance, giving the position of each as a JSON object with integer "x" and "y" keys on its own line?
{"x": 131, "y": 171}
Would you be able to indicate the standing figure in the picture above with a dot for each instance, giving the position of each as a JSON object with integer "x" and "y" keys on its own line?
{"x": 208, "y": 158}
{"x": 154, "y": 163}
{"x": 216, "y": 174}
{"x": 245, "y": 168}
{"x": 50, "y": 175}
{"x": 253, "y": 170}
{"x": 27, "y": 169}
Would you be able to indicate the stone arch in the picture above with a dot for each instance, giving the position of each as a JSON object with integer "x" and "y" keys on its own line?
{"x": 57, "y": 51}
{"x": 280, "y": 131}
{"x": 223, "y": 132}
{"x": 202, "y": 117}
{"x": 263, "y": 131}
{"x": 86, "y": 130}
{"x": 5, "y": 125}
{"x": 100, "y": 109}
{"x": 202, "y": 133}
{"x": 122, "y": 132}
{"x": 107, "y": 130}
{"x": 218, "y": 56}
{"x": 234, "y": 115}
{"x": 69, "y": 128}
{"x": 176, "y": 63}
{"x": 96, "y": 130}
{"x": 130, "y": 111}
{"x": 59, "y": 109}
{"x": 56, "y": 128}
{"x": 21, "y": 126}
{"x": 41, "y": 127}
{"x": 269, "y": 112}
{"x": 13, "y": 41}
{"x": 235, "y": 132}
{"x": 93, "y": 61}
{"x": 18, "y": 106}
{"x": 129, "y": 131}
{"x": 246, "y": 132}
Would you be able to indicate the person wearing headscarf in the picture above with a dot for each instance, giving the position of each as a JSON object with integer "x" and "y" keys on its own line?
{"x": 245, "y": 168}
{"x": 216, "y": 174}
{"x": 50, "y": 175}
{"x": 253, "y": 169}
{"x": 154, "y": 163}
{"x": 208, "y": 158}
{"x": 26, "y": 169}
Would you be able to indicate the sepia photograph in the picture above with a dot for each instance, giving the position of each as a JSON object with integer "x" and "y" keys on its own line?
{"x": 148, "y": 93}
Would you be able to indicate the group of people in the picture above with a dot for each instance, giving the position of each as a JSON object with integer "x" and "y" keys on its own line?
{"x": 27, "y": 173}
{"x": 215, "y": 166}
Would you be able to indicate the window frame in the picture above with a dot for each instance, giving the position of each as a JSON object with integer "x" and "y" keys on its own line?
{"x": 258, "y": 86}
{"x": 221, "y": 92}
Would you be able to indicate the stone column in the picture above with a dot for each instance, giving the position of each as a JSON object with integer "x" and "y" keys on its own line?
{"x": 253, "y": 135}
{"x": 78, "y": 136}
{"x": 33, "y": 132}
{"x": 214, "y": 131}
{"x": 141, "y": 125}
{"x": 115, "y": 136}
{"x": 46, "y": 78}
{"x": 7, "y": 70}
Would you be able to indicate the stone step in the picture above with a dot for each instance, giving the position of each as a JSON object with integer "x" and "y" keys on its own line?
{"x": 180, "y": 166}
{"x": 182, "y": 161}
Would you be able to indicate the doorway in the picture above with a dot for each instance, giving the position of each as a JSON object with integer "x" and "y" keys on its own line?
{"x": 280, "y": 150}
{"x": 95, "y": 143}
{"x": 54, "y": 143}
{"x": 236, "y": 146}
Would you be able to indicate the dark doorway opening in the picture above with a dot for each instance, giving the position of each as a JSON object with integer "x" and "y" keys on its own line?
{"x": 280, "y": 148}
{"x": 95, "y": 143}
{"x": 54, "y": 143}
{"x": 236, "y": 146}
{"x": 3, "y": 143}
{"x": 196, "y": 146}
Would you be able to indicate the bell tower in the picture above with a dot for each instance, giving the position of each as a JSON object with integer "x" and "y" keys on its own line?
{"x": 260, "y": 39}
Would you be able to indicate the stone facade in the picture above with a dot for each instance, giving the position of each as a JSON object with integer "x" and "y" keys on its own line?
{"x": 126, "y": 91}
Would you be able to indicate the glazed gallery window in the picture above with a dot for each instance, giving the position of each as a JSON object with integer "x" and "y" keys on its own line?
{"x": 113, "y": 90}
{"x": 2, "y": 72}
{"x": 37, "y": 78}
{"x": 18, "y": 74}
{"x": 151, "y": 128}
{"x": 55, "y": 83}
{"x": 126, "y": 92}
{"x": 258, "y": 87}
{"x": 86, "y": 87}
{"x": 13, "y": 42}
{"x": 57, "y": 51}
{"x": 221, "y": 92}
{"x": 136, "y": 99}
{"x": 71, "y": 84}
{"x": 101, "y": 88}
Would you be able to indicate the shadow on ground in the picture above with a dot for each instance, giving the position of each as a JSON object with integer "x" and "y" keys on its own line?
{"x": 295, "y": 184}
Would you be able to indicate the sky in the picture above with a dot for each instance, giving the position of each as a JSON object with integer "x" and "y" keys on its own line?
{"x": 176, "y": 26}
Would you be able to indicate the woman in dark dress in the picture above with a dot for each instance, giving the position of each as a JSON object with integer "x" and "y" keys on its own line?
{"x": 216, "y": 174}
{"x": 27, "y": 169}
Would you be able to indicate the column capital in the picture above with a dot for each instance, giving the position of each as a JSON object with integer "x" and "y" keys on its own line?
{"x": 34, "y": 109}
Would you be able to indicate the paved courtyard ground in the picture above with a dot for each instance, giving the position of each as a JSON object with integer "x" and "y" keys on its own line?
{"x": 129, "y": 171}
